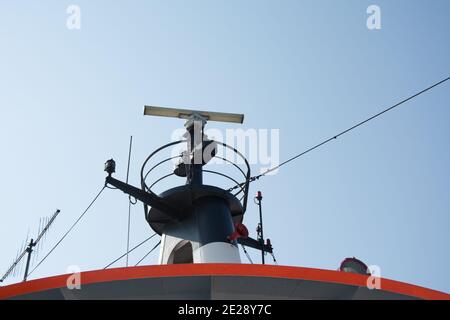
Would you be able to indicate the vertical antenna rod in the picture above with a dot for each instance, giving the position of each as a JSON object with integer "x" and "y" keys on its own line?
{"x": 259, "y": 229}
{"x": 29, "y": 250}
{"x": 129, "y": 201}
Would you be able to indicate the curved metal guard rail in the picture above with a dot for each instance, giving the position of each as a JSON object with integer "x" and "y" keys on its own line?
{"x": 243, "y": 189}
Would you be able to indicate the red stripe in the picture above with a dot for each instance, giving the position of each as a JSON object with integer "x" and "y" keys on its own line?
{"x": 219, "y": 270}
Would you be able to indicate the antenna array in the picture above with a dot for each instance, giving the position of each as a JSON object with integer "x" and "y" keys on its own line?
{"x": 27, "y": 248}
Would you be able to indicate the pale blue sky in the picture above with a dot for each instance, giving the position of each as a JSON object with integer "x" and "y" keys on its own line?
{"x": 70, "y": 100}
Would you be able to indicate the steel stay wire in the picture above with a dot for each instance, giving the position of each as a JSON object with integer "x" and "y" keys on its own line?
{"x": 69, "y": 230}
{"x": 252, "y": 179}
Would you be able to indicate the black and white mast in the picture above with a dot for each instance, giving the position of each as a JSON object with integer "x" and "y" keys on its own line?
{"x": 198, "y": 223}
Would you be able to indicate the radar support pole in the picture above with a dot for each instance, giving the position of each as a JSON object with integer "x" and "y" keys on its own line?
{"x": 194, "y": 134}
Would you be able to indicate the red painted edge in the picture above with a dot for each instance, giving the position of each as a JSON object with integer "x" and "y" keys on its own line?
{"x": 175, "y": 270}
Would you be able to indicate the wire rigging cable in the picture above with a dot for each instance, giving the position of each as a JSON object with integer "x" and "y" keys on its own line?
{"x": 146, "y": 255}
{"x": 341, "y": 133}
{"x": 273, "y": 257}
{"x": 246, "y": 253}
{"x": 131, "y": 250}
{"x": 68, "y": 231}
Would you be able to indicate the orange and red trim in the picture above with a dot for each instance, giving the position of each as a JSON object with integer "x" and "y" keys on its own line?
{"x": 186, "y": 270}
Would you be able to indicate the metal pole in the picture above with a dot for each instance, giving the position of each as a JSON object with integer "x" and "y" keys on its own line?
{"x": 260, "y": 227}
{"x": 29, "y": 251}
{"x": 195, "y": 147}
{"x": 129, "y": 202}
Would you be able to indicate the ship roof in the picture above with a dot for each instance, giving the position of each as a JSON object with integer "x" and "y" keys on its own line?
{"x": 216, "y": 281}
